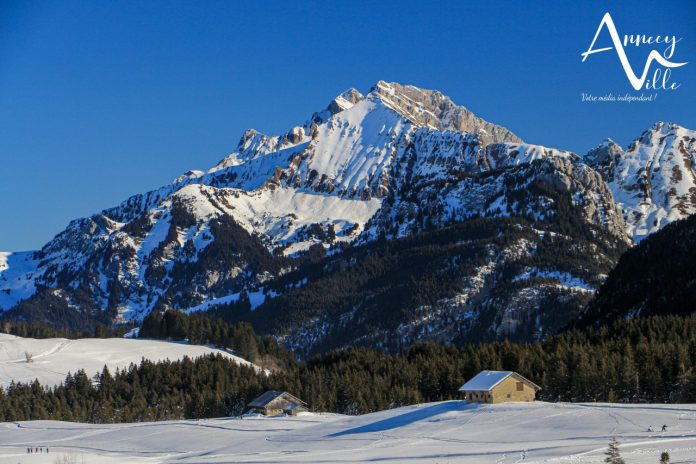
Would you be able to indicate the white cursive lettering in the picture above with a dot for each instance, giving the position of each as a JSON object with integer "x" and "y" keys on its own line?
{"x": 637, "y": 40}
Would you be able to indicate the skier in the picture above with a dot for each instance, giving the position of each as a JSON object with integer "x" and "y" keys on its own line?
{"x": 650, "y": 429}
{"x": 664, "y": 428}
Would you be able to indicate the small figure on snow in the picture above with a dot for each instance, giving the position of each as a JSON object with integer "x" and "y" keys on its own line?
{"x": 664, "y": 428}
{"x": 650, "y": 429}
{"x": 523, "y": 455}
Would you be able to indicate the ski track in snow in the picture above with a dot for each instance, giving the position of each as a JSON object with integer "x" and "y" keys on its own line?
{"x": 446, "y": 432}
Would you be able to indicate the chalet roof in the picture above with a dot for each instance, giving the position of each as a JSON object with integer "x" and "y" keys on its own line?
{"x": 487, "y": 380}
{"x": 271, "y": 395}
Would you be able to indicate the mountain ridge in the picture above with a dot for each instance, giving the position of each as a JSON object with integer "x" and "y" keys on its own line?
{"x": 654, "y": 179}
{"x": 397, "y": 162}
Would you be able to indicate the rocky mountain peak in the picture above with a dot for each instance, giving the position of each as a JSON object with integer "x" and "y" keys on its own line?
{"x": 659, "y": 130}
{"x": 340, "y": 103}
{"x": 666, "y": 126}
{"x": 654, "y": 180}
{"x": 604, "y": 158}
{"x": 344, "y": 101}
{"x": 433, "y": 109}
{"x": 248, "y": 135}
{"x": 192, "y": 174}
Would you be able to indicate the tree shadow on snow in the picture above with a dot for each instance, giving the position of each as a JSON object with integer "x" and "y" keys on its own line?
{"x": 408, "y": 418}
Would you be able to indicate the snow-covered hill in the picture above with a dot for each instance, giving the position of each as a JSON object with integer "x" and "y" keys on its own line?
{"x": 449, "y": 432}
{"x": 53, "y": 358}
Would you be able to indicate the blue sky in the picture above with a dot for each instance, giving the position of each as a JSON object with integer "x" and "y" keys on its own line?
{"x": 100, "y": 100}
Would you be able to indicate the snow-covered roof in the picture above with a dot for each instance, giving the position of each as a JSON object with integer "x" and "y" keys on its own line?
{"x": 271, "y": 395}
{"x": 265, "y": 398}
{"x": 486, "y": 380}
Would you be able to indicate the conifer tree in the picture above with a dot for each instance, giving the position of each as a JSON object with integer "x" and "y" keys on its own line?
{"x": 612, "y": 454}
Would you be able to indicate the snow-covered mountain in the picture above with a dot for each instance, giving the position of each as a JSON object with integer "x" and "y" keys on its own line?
{"x": 654, "y": 180}
{"x": 393, "y": 163}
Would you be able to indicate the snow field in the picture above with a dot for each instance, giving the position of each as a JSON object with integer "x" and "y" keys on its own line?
{"x": 446, "y": 432}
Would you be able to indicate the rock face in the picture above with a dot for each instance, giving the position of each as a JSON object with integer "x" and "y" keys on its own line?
{"x": 420, "y": 202}
{"x": 391, "y": 165}
{"x": 432, "y": 109}
{"x": 654, "y": 180}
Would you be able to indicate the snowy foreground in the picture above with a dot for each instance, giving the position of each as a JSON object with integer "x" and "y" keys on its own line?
{"x": 447, "y": 432}
{"x": 53, "y": 358}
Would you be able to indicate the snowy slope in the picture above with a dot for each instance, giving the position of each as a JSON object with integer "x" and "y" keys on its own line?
{"x": 53, "y": 358}
{"x": 654, "y": 180}
{"x": 17, "y": 272}
{"x": 448, "y": 432}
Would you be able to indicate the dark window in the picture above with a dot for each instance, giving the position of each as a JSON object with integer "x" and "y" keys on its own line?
{"x": 520, "y": 386}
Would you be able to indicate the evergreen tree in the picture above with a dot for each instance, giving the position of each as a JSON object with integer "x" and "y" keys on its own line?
{"x": 612, "y": 454}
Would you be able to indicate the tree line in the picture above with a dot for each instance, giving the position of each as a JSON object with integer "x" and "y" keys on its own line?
{"x": 239, "y": 337}
{"x": 34, "y": 329}
{"x": 640, "y": 360}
